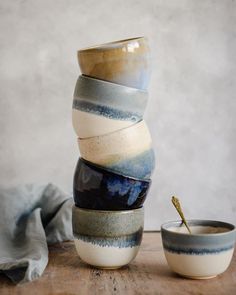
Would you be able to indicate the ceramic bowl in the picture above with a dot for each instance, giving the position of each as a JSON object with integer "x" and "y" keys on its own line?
{"x": 125, "y": 62}
{"x": 127, "y": 151}
{"x": 107, "y": 239}
{"x": 100, "y": 189}
{"x": 101, "y": 107}
{"x": 205, "y": 253}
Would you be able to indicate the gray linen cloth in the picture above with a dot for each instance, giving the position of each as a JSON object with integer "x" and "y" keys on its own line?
{"x": 31, "y": 217}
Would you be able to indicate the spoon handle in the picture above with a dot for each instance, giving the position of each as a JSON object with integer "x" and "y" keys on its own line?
{"x": 176, "y": 203}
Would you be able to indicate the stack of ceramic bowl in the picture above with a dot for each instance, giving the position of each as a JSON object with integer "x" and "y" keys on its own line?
{"x": 112, "y": 176}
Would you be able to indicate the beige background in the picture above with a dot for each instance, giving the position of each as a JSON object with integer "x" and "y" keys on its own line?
{"x": 192, "y": 107}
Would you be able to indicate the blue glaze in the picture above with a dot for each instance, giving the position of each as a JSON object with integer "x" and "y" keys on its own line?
{"x": 109, "y": 99}
{"x": 102, "y": 189}
{"x": 110, "y": 94}
{"x": 145, "y": 78}
{"x": 140, "y": 166}
{"x": 198, "y": 244}
{"x": 128, "y": 79}
{"x": 126, "y": 241}
{"x": 106, "y": 111}
{"x": 122, "y": 188}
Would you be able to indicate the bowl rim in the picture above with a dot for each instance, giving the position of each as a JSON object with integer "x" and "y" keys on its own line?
{"x": 148, "y": 181}
{"x": 141, "y": 123}
{"x": 128, "y": 211}
{"x": 112, "y": 84}
{"x": 207, "y": 222}
{"x": 104, "y": 45}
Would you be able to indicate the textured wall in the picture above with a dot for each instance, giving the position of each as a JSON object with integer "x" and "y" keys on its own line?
{"x": 192, "y": 105}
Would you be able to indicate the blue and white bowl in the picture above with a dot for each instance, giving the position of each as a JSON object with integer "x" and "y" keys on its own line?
{"x": 107, "y": 239}
{"x": 203, "y": 254}
{"x": 101, "y": 107}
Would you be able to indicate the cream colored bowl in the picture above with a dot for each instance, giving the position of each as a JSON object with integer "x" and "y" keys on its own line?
{"x": 127, "y": 151}
{"x": 87, "y": 124}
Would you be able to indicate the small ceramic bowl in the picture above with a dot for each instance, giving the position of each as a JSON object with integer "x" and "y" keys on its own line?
{"x": 101, "y": 107}
{"x": 127, "y": 151}
{"x": 125, "y": 62}
{"x": 100, "y": 189}
{"x": 205, "y": 253}
{"x": 107, "y": 239}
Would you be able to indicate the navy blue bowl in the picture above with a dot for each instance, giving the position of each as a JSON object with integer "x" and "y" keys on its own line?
{"x": 101, "y": 189}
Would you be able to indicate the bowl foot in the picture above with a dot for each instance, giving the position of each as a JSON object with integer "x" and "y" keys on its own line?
{"x": 198, "y": 278}
{"x": 107, "y": 267}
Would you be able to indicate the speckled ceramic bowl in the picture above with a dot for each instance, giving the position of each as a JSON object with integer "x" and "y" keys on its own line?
{"x": 125, "y": 62}
{"x": 127, "y": 151}
{"x": 100, "y": 189}
{"x": 101, "y": 107}
{"x": 205, "y": 253}
{"x": 107, "y": 239}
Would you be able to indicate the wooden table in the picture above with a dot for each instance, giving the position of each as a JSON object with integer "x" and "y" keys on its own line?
{"x": 148, "y": 274}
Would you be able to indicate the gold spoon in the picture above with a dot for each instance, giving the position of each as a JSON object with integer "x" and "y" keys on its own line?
{"x": 176, "y": 203}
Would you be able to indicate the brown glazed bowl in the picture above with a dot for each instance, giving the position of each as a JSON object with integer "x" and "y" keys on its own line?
{"x": 125, "y": 62}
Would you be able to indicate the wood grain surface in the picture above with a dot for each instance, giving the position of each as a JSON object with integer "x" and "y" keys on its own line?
{"x": 147, "y": 274}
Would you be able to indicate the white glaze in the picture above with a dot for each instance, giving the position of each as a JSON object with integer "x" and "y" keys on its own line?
{"x": 199, "y": 266}
{"x": 89, "y": 125}
{"x": 105, "y": 257}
